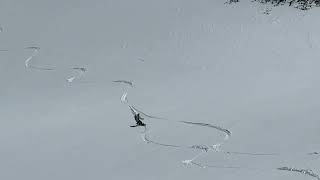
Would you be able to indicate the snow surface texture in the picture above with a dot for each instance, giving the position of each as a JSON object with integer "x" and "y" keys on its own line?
{"x": 238, "y": 67}
{"x": 299, "y": 4}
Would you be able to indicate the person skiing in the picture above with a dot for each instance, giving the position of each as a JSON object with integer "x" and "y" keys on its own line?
{"x": 138, "y": 119}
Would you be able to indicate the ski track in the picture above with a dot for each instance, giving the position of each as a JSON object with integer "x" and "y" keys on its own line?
{"x": 222, "y": 167}
{"x": 146, "y": 115}
{"x": 226, "y": 131}
{"x": 80, "y": 71}
{"x": 203, "y": 148}
{"x": 191, "y": 161}
{"x": 307, "y": 172}
{"x": 34, "y": 54}
{"x": 130, "y": 83}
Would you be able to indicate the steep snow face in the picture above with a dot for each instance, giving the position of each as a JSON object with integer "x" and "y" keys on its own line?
{"x": 231, "y": 66}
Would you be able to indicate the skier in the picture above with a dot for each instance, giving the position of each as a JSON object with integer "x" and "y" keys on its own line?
{"x": 138, "y": 119}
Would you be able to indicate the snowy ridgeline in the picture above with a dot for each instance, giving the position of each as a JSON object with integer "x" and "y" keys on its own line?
{"x": 300, "y": 4}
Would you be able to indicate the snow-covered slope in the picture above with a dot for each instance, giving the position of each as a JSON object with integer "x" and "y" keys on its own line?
{"x": 198, "y": 61}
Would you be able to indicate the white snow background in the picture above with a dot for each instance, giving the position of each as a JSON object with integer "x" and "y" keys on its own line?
{"x": 201, "y": 61}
